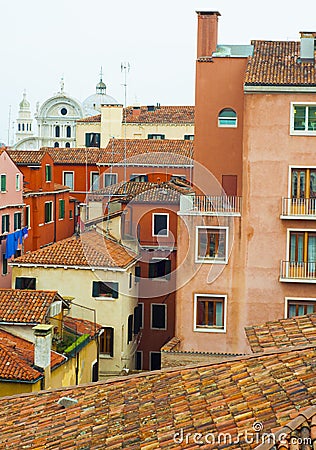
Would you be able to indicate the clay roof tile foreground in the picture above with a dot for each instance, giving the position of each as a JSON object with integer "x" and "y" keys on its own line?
{"x": 17, "y": 359}
{"x": 280, "y": 333}
{"x": 25, "y": 306}
{"x": 230, "y": 404}
{"x": 278, "y": 63}
{"x": 90, "y": 249}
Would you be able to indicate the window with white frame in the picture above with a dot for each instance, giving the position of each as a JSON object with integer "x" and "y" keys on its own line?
{"x": 210, "y": 312}
{"x": 211, "y": 244}
{"x": 68, "y": 179}
{"x": 48, "y": 212}
{"x": 138, "y": 177}
{"x": 299, "y": 306}
{"x": 5, "y": 223}
{"x": 18, "y": 182}
{"x": 17, "y": 221}
{"x": 303, "y": 118}
{"x": 227, "y": 118}
{"x": 158, "y": 316}
{"x": 48, "y": 173}
{"x": 61, "y": 208}
{"x": 109, "y": 179}
{"x": 3, "y": 182}
{"x": 105, "y": 289}
{"x": 94, "y": 180}
{"x": 160, "y": 224}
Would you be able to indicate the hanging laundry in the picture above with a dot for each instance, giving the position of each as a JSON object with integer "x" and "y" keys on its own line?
{"x": 11, "y": 245}
{"x": 25, "y": 232}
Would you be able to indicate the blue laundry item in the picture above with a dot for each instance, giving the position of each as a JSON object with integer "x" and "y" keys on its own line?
{"x": 18, "y": 238}
{"x": 25, "y": 232}
{"x": 11, "y": 245}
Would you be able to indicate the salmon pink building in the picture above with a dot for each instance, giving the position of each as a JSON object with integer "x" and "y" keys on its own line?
{"x": 11, "y": 207}
{"x": 252, "y": 232}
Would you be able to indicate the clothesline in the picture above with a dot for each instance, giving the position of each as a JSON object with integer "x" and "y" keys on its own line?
{"x": 13, "y": 240}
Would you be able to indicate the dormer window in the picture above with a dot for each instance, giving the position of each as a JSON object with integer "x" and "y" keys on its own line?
{"x": 227, "y": 118}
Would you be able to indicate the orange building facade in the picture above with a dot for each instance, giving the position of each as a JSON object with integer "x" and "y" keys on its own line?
{"x": 254, "y": 258}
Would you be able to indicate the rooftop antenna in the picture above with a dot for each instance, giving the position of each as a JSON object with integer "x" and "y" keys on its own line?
{"x": 125, "y": 67}
{"x": 9, "y": 125}
{"x": 101, "y": 74}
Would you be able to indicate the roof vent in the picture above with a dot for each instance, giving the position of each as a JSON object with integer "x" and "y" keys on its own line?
{"x": 66, "y": 402}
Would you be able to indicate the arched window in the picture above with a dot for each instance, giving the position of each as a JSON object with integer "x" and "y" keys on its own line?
{"x": 22, "y": 126}
{"x": 56, "y": 144}
{"x": 19, "y": 127}
{"x": 57, "y": 131}
{"x": 68, "y": 131}
{"x": 227, "y": 118}
{"x": 67, "y": 145}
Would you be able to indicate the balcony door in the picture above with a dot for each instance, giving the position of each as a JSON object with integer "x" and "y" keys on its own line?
{"x": 303, "y": 191}
{"x": 303, "y": 254}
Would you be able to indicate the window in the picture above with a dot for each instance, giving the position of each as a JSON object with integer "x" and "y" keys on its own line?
{"x": 303, "y": 183}
{"x": 56, "y": 144}
{"x": 57, "y": 131}
{"x": 303, "y": 119}
{"x": 303, "y": 253}
{"x": 63, "y": 111}
{"x": 4, "y": 265}
{"x": 211, "y": 244}
{"x": 92, "y": 139}
{"x": 61, "y": 209}
{"x": 160, "y": 268}
{"x": 48, "y": 173}
{"x": 155, "y": 361}
{"x": 178, "y": 177}
{"x": 137, "y": 273}
{"x": 94, "y": 177}
{"x": 155, "y": 136}
{"x": 3, "y": 182}
{"x": 104, "y": 289}
{"x": 68, "y": 179}
{"x": 48, "y": 212}
{"x": 68, "y": 131}
{"x": 139, "y": 360}
{"x": 227, "y": 118}
{"x": 130, "y": 328}
{"x": 5, "y": 223}
{"x": 107, "y": 341}
{"x": 67, "y": 145}
{"x": 160, "y": 224}
{"x": 70, "y": 214}
{"x": 27, "y": 222}
{"x": 25, "y": 283}
{"x": 18, "y": 182}
{"x": 17, "y": 221}
{"x": 209, "y": 312}
{"x": 109, "y": 179}
{"x": 158, "y": 316}
{"x": 189, "y": 137}
{"x": 138, "y": 318}
{"x": 296, "y": 307}
{"x": 138, "y": 177}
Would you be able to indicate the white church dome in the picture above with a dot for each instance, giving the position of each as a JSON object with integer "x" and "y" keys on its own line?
{"x": 92, "y": 104}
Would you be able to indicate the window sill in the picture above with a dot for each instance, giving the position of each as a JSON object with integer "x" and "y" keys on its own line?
{"x": 209, "y": 330}
{"x": 105, "y": 356}
{"x": 104, "y": 298}
{"x": 211, "y": 261}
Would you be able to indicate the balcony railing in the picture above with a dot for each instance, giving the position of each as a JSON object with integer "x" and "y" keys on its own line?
{"x": 299, "y": 207}
{"x": 298, "y": 271}
{"x": 210, "y": 204}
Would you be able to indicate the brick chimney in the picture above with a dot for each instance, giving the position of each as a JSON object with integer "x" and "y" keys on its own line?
{"x": 207, "y": 32}
{"x": 42, "y": 351}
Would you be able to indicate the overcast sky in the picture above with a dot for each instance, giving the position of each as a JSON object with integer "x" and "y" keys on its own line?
{"x": 41, "y": 41}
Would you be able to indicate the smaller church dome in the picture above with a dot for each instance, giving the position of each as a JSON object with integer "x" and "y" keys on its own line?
{"x": 92, "y": 104}
{"x": 24, "y": 104}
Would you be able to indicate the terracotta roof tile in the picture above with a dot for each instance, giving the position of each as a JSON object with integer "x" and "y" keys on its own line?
{"x": 96, "y": 118}
{"x": 82, "y": 326}
{"x": 22, "y": 157}
{"x": 17, "y": 359}
{"x": 277, "y": 63}
{"x": 145, "y": 411}
{"x": 25, "y": 306}
{"x": 161, "y": 114}
{"x": 90, "y": 249}
{"x": 293, "y": 331}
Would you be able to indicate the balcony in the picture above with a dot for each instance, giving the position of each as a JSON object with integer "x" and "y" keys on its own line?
{"x": 298, "y": 272}
{"x": 210, "y": 205}
{"x": 298, "y": 208}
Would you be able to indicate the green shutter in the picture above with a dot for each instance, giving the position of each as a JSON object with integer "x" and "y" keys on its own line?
{"x": 18, "y": 283}
{"x": 48, "y": 172}
{"x": 61, "y": 209}
{"x": 3, "y": 183}
{"x": 95, "y": 289}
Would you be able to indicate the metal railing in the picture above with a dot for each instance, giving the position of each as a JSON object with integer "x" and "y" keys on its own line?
{"x": 298, "y": 270}
{"x": 217, "y": 204}
{"x": 299, "y": 207}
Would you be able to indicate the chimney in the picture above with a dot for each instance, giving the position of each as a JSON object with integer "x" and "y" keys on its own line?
{"x": 307, "y": 53}
{"x": 42, "y": 351}
{"x": 207, "y": 32}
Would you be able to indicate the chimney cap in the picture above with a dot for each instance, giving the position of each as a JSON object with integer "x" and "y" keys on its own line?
{"x": 43, "y": 329}
{"x": 208, "y": 13}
